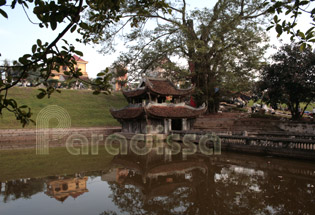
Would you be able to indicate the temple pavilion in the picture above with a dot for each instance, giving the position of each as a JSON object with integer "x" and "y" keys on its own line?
{"x": 159, "y": 104}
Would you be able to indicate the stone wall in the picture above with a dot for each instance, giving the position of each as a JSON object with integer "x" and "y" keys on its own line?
{"x": 298, "y": 127}
{"x": 237, "y": 123}
{"x": 26, "y": 138}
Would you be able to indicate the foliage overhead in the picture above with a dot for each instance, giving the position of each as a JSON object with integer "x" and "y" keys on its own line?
{"x": 292, "y": 12}
{"x": 47, "y": 57}
{"x": 218, "y": 44}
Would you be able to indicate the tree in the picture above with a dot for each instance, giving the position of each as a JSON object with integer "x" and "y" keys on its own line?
{"x": 291, "y": 78}
{"x": 46, "y": 57}
{"x": 214, "y": 43}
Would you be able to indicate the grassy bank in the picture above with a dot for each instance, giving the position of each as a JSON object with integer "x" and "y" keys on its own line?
{"x": 26, "y": 164}
{"x": 302, "y": 104}
{"x": 84, "y": 108}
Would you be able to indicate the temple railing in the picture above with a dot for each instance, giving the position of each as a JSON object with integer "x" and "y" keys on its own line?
{"x": 271, "y": 142}
{"x": 305, "y": 143}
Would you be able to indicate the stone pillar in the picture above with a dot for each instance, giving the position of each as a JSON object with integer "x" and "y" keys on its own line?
{"x": 165, "y": 126}
{"x": 169, "y": 124}
{"x": 184, "y": 124}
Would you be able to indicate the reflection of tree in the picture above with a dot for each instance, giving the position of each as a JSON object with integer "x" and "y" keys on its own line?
{"x": 127, "y": 198}
{"x": 240, "y": 193}
{"x": 155, "y": 186}
{"x": 225, "y": 188}
{"x": 21, "y": 188}
{"x": 132, "y": 200}
{"x": 108, "y": 213}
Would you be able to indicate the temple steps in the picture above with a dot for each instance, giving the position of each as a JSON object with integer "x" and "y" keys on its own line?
{"x": 235, "y": 122}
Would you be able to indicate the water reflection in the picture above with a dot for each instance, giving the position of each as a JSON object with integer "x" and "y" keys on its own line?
{"x": 20, "y": 188}
{"x": 153, "y": 184}
{"x": 171, "y": 184}
{"x": 63, "y": 188}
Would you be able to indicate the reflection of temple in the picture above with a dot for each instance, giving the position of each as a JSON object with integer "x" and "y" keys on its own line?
{"x": 62, "y": 189}
{"x": 148, "y": 105}
{"x": 197, "y": 184}
{"x": 158, "y": 176}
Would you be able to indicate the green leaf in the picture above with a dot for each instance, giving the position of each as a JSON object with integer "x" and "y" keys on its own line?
{"x": 12, "y": 103}
{"x": 53, "y": 25}
{"x": 65, "y": 48}
{"x": 304, "y": 3}
{"x": 309, "y": 30}
{"x": 269, "y": 27}
{"x": 23, "y": 60}
{"x": 4, "y": 14}
{"x": 41, "y": 95}
{"x": 302, "y": 47}
{"x": 73, "y": 28}
{"x": 301, "y": 34}
{"x": 83, "y": 25}
{"x": 34, "y": 48}
{"x": 3, "y": 2}
{"x": 39, "y": 42}
{"x": 78, "y": 52}
{"x": 309, "y": 35}
{"x": 287, "y": 12}
{"x": 279, "y": 29}
{"x": 101, "y": 74}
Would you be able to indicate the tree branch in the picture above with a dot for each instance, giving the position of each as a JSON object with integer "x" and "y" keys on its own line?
{"x": 49, "y": 47}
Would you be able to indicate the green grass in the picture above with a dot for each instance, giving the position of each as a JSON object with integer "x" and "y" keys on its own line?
{"x": 309, "y": 107}
{"x": 26, "y": 164}
{"x": 84, "y": 108}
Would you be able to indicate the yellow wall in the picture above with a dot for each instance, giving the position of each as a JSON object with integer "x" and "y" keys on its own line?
{"x": 80, "y": 64}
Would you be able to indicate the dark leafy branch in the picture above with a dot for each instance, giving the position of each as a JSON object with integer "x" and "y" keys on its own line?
{"x": 46, "y": 58}
{"x": 292, "y": 10}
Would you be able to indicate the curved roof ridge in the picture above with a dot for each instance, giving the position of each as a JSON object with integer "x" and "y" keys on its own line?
{"x": 135, "y": 92}
{"x": 128, "y": 112}
{"x": 173, "y": 111}
{"x": 164, "y": 86}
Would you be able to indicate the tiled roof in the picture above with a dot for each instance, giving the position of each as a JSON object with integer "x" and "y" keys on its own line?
{"x": 158, "y": 86}
{"x": 173, "y": 111}
{"x": 134, "y": 93}
{"x": 127, "y": 113}
{"x": 166, "y": 88}
{"x": 77, "y": 58}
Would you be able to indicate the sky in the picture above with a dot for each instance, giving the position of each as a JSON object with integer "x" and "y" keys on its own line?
{"x": 18, "y": 35}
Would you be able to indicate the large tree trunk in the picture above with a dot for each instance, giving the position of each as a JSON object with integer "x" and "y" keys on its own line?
{"x": 205, "y": 83}
{"x": 294, "y": 109}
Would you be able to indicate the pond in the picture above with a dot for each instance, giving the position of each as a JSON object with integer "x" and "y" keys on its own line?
{"x": 229, "y": 183}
